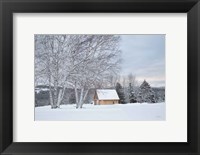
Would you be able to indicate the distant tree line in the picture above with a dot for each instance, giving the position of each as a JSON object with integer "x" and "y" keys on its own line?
{"x": 134, "y": 94}
{"x": 140, "y": 94}
{"x": 42, "y": 96}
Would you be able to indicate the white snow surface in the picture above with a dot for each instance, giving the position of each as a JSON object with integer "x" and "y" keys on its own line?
{"x": 90, "y": 112}
{"x": 107, "y": 94}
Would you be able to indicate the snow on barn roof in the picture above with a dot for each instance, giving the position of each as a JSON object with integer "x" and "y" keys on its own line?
{"x": 107, "y": 94}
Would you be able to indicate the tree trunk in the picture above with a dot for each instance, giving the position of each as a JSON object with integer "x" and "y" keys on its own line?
{"x": 50, "y": 92}
{"x": 51, "y": 98}
{"x": 59, "y": 98}
{"x": 55, "y": 96}
{"x": 76, "y": 95}
{"x": 81, "y": 98}
{"x": 84, "y": 98}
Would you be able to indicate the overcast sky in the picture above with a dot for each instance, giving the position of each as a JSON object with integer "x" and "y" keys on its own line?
{"x": 144, "y": 57}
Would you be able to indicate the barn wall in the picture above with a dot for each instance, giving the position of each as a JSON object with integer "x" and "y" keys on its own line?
{"x": 108, "y": 101}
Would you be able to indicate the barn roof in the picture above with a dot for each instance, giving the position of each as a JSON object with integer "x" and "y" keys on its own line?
{"x": 107, "y": 94}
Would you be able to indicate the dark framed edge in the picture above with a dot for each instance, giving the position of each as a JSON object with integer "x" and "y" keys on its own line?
{"x": 8, "y": 7}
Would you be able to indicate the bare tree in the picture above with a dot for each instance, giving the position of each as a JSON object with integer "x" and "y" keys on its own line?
{"x": 98, "y": 57}
{"x": 78, "y": 61}
{"x": 50, "y": 56}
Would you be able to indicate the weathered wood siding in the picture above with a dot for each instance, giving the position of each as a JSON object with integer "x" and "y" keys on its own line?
{"x": 106, "y": 102}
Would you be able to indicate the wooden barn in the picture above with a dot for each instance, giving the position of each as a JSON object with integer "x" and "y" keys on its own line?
{"x": 106, "y": 96}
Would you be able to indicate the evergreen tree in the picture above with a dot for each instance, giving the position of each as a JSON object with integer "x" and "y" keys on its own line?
{"x": 159, "y": 94}
{"x": 120, "y": 92}
{"x": 146, "y": 94}
{"x": 132, "y": 94}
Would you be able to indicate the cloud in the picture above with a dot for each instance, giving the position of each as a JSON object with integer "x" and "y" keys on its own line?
{"x": 144, "y": 56}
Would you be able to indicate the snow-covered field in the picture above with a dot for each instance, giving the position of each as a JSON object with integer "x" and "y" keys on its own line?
{"x": 117, "y": 112}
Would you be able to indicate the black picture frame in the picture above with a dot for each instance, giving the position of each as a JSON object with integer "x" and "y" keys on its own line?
{"x": 8, "y": 7}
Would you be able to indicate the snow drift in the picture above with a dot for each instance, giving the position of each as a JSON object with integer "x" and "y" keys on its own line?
{"x": 90, "y": 112}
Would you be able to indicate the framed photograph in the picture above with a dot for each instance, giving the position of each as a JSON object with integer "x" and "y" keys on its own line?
{"x": 102, "y": 77}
